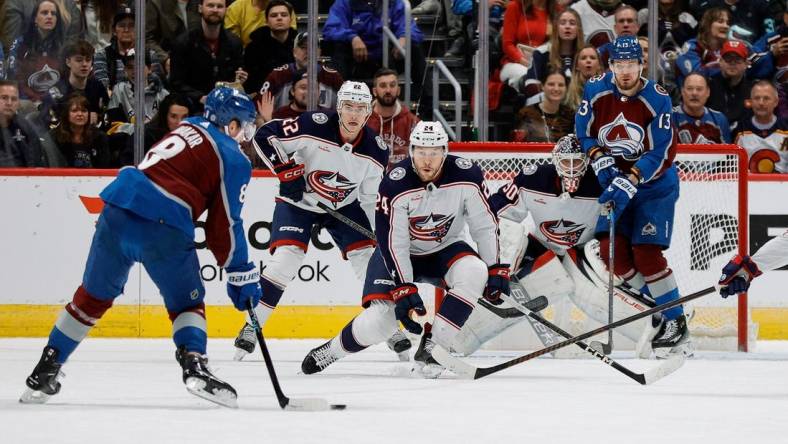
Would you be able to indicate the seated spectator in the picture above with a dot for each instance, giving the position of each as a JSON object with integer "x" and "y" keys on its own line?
{"x": 750, "y": 19}
{"x": 19, "y": 145}
{"x": 550, "y": 119}
{"x": 80, "y": 143}
{"x": 390, "y": 118}
{"x": 674, "y": 24}
{"x": 587, "y": 65}
{"x": 172, "y": 110}
{"x": 97, "y": 15}
{"x": 298, "y": 96}
{"x": 764, "y": 135}
{"x": 280, "y": 81}
{"x": 35, "y": 58}
{"x": 702, "y": 54}
{"x": 730, "y": 87}
{"x": 525, "y": 26}
{"x": 782, "y": 89}
{"x": 598, "y": 20}
{"x": 121, "y": 104}
{"x": 770, "y": 54}
{"x": 166, "y": 20}
{"x": 695, "y": 122}
{"x": 206, "y": 55}
{"x": 354, "y": 30}
{"x": 625, "y": 23}
{"x": 19, "y": 15}
{"x": 246, "y": 16}
{"x": 78, "y": 79}
{"x": 271, "y": 45}
{"x": 109, "y": 64}
{"x": 568, "y": 40}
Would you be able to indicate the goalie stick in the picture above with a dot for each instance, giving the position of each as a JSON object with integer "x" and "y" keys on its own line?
{"x": 468, "y": 371}
{"x": 302, "y": 404}
{"x": 665, "y": 368}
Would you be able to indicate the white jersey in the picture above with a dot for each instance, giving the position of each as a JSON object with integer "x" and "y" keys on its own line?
{"x": 414, "y": 219}
{"x": 773, "y": 254}
{"x": 561, "y": 222}
{"x": 336, "y": 173}
{"x": 598, "y": 28}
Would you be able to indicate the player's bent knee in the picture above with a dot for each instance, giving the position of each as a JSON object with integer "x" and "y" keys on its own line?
{"x": 649, "y": 259}
{"x": 359, "y": 259}
{"x": 375, "y": 324}
{"x": 284, "y": 264}
{"x": 467, "y": 276}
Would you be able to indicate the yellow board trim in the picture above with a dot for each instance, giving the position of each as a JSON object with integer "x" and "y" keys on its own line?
{"x": 288, "y": 321}
{"x": 151, "y": 321}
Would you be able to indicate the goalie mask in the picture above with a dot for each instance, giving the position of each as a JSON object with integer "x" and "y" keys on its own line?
{"x": 570, "y": 162}
{"x": 429, "y": 135}
{"x": 354, "y": 99}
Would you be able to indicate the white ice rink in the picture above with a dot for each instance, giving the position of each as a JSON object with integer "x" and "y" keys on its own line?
{"x": 130, "y": 391}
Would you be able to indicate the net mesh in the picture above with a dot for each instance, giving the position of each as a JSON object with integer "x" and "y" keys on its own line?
{"x": 705, "y": 235}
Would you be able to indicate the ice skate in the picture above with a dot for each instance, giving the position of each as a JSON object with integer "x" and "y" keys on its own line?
{"x": 672, "y": 338}
{"x": 400, "y": 344}
{"x": 423, "y": 361}
{"x": 245, "y": 342}
{"x": 318, "y": 359}
{"x": 201, "y": 382}
{"x": 43, "y": 382}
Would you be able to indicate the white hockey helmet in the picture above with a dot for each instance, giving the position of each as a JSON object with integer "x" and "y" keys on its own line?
{"x": 429, "y": 134}
{"x": 357, "y": 92}
{"x": 570, "y": 162}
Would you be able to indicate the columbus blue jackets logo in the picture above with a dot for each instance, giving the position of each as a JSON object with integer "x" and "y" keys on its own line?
{"x": 432, "y": 228}
{"x": 623, "y": 138}
{"x": 562, "y": 232}
{"x": 330, "y": 185}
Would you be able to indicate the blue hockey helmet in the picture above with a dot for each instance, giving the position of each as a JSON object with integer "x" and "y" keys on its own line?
{"x": 626, "y": 47}
{"x": 225, "y": 104}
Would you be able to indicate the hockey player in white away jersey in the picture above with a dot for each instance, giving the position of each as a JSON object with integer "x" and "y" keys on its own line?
{"x": 736, "y": 276}
{"x": 329, "y": 158}
{"x": 423, "y": 206}
{"x": 559, "y": 258}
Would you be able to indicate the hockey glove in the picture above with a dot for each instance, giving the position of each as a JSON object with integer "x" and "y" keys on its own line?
{"x": 618, "y": 193}
{"x": 406, "y": 297}
{"x": 243, "y": 286}
{"x": 737, "y": 274}
{"x": 497, "y": 282}
{"x": 605, "y": 169}
{"x": 291, "y": 180}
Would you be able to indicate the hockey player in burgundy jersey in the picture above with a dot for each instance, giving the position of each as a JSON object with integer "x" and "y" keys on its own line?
{"x": 149, "y": 217}
{"x": 423, "y": 207}
{"x": 329, "y": 158}
{"x": 624, "y": 125}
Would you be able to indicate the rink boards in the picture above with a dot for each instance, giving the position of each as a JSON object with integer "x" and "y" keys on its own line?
{"x": 49, "y": 221}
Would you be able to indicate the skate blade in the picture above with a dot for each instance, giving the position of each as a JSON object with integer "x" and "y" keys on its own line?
{"x": 312, "y": 405}
{"x": 686, "y": 350}
{"x": 427, "y": 371}
{"x": 240, "y": 354}
{"x": 224, "y": 398}
{"x": 404, "y": 356}
{"x": 31, "y": 396}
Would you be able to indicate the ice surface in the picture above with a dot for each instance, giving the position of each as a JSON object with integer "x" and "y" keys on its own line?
{"x": 130, "y": 391}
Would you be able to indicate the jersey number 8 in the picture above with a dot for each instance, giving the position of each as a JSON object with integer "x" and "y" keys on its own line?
{"x": 165, "y": 149}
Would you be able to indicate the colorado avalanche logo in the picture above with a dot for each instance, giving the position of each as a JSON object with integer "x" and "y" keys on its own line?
{"x": 330, "y": 185}
{"x": 430, "y": 228}
{"x": 562, "y": 232}
{"x": 623, "y": 138}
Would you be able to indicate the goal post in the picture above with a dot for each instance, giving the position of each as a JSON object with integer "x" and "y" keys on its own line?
{"x": 710, "y": 225}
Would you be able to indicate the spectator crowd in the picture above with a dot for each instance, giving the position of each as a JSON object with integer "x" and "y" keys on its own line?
{"x": 67, "y": 67}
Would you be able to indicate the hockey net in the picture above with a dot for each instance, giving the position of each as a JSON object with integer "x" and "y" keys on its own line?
{"x": 710, "y": 226}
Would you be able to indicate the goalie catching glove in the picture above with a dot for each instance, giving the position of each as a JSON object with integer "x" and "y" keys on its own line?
{"x": 406, "y": 297}
{"x": 243, "y": 286}
{"x": 737, "y": 274}
{"x": 291, "y": 180}
{"x": 497, "y": 282}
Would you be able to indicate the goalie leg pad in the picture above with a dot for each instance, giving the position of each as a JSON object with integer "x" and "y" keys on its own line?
{"x": 545, "y": 276}
{"x": 359, "y": 259}
{"x": 661, "y": 282}
{"x": 372, "y": 326}
{"x": 481, "y": 326}
{"x": 591, "y": 297}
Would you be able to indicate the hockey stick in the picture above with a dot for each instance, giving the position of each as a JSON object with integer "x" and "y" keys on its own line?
{"x": 649, "y": 377}
{"x": 520, "y": 296}
{"x": 608, "y": 348}
{"x": 468, "y": 371}
{"x": 302, "y": 404}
